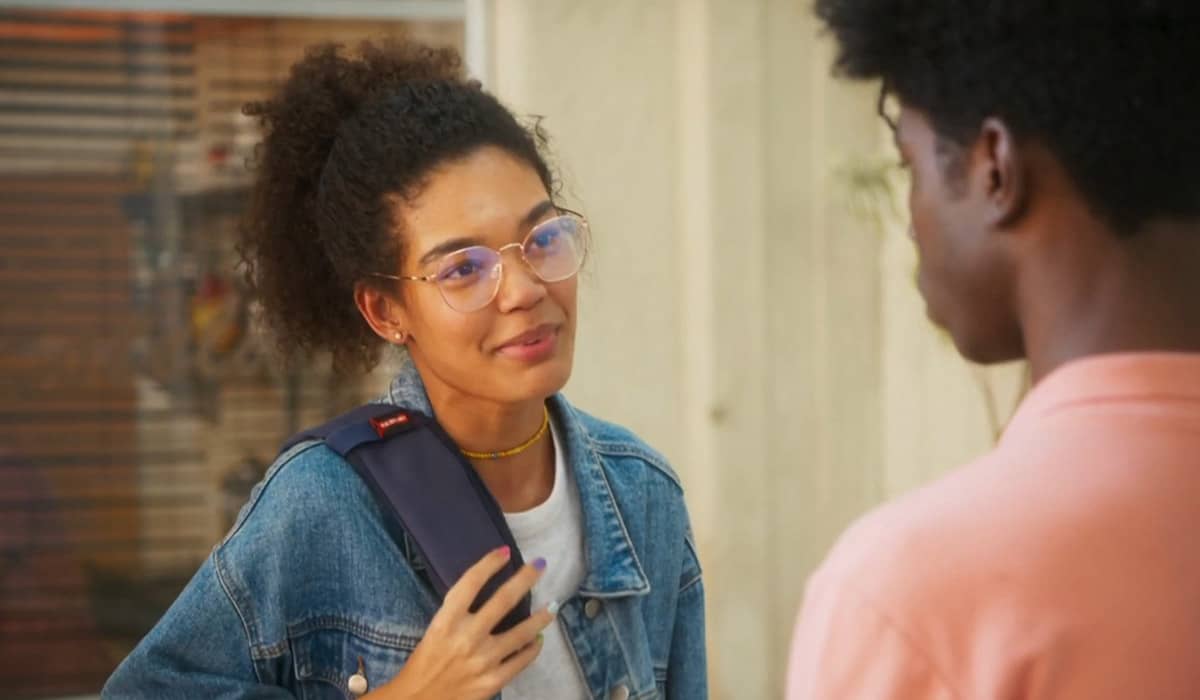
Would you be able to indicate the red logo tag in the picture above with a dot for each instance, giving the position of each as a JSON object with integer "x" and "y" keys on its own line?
{"x": 387, "y": 424}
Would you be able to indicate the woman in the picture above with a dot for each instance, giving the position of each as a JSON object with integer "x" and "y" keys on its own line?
{"x": 398, "y": 203}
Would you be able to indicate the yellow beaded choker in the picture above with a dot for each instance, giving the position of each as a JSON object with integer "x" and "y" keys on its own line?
{"x": 519, "y": 448}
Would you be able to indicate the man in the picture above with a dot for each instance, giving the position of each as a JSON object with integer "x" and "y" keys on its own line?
{"x": 1054, "y": 149}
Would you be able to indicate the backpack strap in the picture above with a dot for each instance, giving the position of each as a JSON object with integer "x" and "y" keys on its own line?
{"x": 423, "y": 483}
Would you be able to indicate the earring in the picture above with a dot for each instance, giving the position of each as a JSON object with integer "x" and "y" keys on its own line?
{"x": 399, "y": 335}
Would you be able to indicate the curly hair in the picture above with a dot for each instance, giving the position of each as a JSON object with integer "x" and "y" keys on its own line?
{"x": 344, "y": 138}
{"x": 1107, "y": 86}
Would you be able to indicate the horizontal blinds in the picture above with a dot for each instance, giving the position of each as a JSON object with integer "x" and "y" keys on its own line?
{"x": 137, "y": 404}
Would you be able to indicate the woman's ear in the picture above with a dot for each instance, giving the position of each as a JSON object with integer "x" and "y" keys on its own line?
{"x": 382, "y": 311}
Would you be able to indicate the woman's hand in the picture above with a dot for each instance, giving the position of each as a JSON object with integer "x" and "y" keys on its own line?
{"x": 459, "y": 657}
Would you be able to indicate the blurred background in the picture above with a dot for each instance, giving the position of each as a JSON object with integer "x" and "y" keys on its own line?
{"x": 749, "y": 307}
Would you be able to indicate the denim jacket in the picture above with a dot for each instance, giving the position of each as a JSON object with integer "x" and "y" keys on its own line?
{"x": 309, "y": 581}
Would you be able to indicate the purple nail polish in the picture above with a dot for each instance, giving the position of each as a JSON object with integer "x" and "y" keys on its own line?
{"x": 539, "y": 564}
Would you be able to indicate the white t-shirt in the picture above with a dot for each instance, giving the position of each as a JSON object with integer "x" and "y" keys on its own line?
{"x": 553, "y": 531}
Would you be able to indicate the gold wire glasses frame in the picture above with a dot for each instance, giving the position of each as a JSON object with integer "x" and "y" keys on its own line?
{"x": 468, "y": 279}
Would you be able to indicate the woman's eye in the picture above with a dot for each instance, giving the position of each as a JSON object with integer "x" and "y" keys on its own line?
{"x": 545, "y": 239}
{"x": 461, "y": 270}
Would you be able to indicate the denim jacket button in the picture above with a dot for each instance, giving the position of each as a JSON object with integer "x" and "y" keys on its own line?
{"x": 619, "y": 693}
{"x": 592, "y": 609}
{"x": 357, "y": 684}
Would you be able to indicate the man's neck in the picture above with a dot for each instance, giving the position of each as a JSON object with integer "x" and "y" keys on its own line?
{"x": 1120, "y": 295}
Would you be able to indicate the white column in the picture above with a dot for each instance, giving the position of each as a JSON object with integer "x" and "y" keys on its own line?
{"x": 722, "y": 241}
{"x": 657, "y": 113}
{"x": 824, "y": 327}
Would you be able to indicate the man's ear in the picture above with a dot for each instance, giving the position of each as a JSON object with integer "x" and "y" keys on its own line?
{"x": 1003, "y": 177}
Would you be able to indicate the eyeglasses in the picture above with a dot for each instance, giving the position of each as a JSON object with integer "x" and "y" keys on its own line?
{"x": 469, "y": 279}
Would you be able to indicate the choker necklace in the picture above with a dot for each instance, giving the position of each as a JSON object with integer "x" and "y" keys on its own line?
{"x": 519, "y": 448}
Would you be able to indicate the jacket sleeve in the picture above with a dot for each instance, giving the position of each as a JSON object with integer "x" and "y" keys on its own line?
{"x": 199, "y": 649}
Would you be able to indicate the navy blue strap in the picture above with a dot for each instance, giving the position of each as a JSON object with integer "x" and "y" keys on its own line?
{"x": 347, "y": 431}
{"x": 421, "y": 481}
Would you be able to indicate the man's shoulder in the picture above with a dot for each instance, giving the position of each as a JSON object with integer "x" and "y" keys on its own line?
{"x": 926, "y": 545}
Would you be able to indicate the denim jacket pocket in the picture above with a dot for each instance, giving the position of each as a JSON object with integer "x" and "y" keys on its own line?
{"x": 327, "y": 656}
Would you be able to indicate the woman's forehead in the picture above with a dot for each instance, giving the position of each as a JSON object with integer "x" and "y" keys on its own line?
{"x": 475, "y": 195}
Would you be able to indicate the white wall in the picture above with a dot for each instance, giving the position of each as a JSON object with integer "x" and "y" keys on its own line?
{"x": 736, "y": 315}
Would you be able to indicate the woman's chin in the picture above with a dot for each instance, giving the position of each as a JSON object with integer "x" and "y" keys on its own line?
{"x": 540, "y": 381}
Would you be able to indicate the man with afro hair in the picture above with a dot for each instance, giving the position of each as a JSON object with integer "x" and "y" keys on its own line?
{"x": 1054, "y": 152}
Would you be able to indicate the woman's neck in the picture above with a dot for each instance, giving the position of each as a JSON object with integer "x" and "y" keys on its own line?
{"x": 518, "y": 482}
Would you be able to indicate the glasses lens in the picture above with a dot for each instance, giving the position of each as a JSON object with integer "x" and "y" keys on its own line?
{"x": 468, "y": 279}
{"x": 555, "y": 248}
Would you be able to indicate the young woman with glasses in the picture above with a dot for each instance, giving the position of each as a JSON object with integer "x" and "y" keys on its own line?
{"x": 397, "y": 205}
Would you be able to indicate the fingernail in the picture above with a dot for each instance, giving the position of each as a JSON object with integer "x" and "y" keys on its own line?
{"x": 504, "y": 551}
{"x": 541, "y": 638}
{"x": 539, "y": 564}
{"x": 553, "y": 607}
